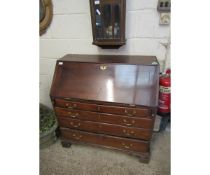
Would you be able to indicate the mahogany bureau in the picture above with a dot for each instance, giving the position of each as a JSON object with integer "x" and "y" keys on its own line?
{"x": 107, "y": 101}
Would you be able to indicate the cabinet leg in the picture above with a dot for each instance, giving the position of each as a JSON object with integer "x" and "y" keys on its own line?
{"x": 66, "y": 144}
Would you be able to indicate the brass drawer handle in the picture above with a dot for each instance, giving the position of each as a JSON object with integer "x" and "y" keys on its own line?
{"x": 71, "y": 107}
{"x": 76, "y": 126}
{"x": 77, "y": 137}
{"x": 127, "y": 146}
{"x": 128, "y": 124}
{"x": 103, "y": 67}
{"x": 130, "y": 114}
{"x": 73, "y": 115}
{"x": 128, "y": 133}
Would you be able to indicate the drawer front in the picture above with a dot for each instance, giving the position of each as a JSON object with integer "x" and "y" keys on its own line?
{"x": 106, "y": 118}
{"x": 107, "y": 141}
{"x": 145, "y": 123}
{"x": 110, "y": 129}
{"x": 72, "y": 113}
{"x": 132, "y": 112}
{"x": 78, "y": 124}
{"x": 75, "y": 105}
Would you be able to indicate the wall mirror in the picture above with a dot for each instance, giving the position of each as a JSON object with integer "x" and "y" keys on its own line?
{"x": 45, "y": 15}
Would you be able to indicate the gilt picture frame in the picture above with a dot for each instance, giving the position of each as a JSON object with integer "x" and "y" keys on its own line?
{"x": 45, "y": 15}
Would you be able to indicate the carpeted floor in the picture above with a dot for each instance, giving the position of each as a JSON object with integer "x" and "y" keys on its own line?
{"x": 88, "y": 160}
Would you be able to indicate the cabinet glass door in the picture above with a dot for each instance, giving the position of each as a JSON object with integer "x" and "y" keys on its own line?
{"x": 99, "y": 26}
{"x": 107, "y": 19}
{"x": 116, "y": 21}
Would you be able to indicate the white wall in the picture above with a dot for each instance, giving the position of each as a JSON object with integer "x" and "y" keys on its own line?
{"x": 70, "y": 32}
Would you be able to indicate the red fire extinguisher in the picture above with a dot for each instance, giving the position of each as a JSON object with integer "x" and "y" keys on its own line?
{"x": 164, "y": 103}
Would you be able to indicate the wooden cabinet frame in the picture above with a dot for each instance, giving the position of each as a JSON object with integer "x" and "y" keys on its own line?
{"x": 111, "y": 42}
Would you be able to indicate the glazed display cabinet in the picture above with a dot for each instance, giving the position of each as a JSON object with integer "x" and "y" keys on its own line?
{"x": 108, "y": 22}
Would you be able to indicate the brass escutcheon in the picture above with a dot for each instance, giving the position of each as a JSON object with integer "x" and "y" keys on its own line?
{"x": 103, "y": 67}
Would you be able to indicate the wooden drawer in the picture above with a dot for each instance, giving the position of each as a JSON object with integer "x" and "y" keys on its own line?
{"x": 146, "y": 123}
{"x": 135, "y": 112}
{"x": 103, "y": 140}
{"x": 128, "y": 111}
{"x": 104, "y": 128}
{"x": 75, "y": 105}
{"x": 72, "y": 113}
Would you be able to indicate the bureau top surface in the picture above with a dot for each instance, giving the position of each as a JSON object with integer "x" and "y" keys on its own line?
{"x": 123, "y": 59}
{"x": 115, "y": 79}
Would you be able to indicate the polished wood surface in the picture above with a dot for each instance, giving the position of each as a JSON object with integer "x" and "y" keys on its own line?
{"x": 129, "y": 111}
{"x": 122, "y": 59}
{"x": 110, "y": 101}
{"x": 76, "y": 105}
{"x": 110, "y": 129}
{"x": 137, "y": 112}
{"x": 146, "y": 123}
{"x": 109, "y": 141}
{"x": 116, "y": 83}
